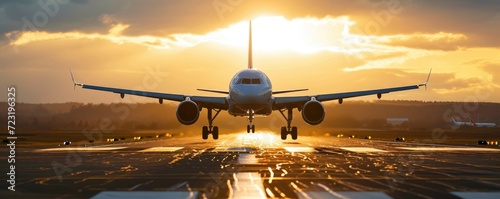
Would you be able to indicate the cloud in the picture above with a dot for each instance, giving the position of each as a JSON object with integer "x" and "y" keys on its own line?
{"x": 305, "y": 35}
{"x": 491, "y": 67}
{"x": 114, "y": 35}
{"x": 437, "y": 41}
{"x": 278, "y": 33}
{"x": 476, "y": 20}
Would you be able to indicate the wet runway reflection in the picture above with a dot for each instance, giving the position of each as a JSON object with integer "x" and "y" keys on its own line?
{"x": 260, "y": 165}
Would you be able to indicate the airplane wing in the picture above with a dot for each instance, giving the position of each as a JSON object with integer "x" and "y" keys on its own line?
{"x": 289, "y": 91}
{"x": 203, "y": 101}
{"x": 213, "y": 91}
{"x": 297, "y": 101}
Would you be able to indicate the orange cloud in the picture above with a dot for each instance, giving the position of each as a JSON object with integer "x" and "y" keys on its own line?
{"x": 270, "y": 33}
{"x": 436, "y": 41}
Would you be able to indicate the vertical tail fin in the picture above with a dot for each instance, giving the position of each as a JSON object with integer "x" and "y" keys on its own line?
{"x": 250, "y": 62}
{"x": 472, "y": 122}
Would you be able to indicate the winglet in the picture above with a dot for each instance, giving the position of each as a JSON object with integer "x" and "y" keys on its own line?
{"x": 73, "y": 78}
{"x": 250, "y": 64}
{"x": 427, "y": 81}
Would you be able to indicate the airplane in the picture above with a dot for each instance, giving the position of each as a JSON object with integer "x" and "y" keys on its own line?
{"x": 472, "y": 123}
{"x": 250, "y": 94}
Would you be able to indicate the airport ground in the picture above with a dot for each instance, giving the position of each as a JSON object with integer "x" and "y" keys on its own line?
{"x": 261, "y": 165}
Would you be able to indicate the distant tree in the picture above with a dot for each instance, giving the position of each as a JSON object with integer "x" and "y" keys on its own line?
{"x": 405, "y": 124}
{"x": 35, "y": 122}
{"x": 377, "y": 123}
{"x": 72, "y": 123}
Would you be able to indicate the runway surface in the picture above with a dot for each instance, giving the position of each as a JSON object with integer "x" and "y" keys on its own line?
{"x": 258, "y": 165}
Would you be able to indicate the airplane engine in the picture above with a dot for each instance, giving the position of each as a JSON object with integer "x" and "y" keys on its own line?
{"x": 313, "y": 112}
{"x": 187, "y": 112}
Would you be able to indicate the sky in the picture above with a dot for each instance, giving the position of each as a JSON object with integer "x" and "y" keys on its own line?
{"x": 177, "y": 46}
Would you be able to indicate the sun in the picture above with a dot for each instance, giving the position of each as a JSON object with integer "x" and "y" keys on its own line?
{"x": 276, "y": 33}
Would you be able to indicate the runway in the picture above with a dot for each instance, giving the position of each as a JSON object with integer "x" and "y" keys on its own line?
{"x": 258, "y": 165}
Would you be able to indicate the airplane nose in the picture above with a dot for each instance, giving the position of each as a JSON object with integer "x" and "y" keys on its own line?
{"x": 251, "y": 96}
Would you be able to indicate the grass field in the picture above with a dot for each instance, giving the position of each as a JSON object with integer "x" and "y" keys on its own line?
{"x": 81, "y": 137}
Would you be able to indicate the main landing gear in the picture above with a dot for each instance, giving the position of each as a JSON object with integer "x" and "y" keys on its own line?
{"x": 210, "y": 129}
{"x": 288, "y": 129}
{"x": 250, "y": 127}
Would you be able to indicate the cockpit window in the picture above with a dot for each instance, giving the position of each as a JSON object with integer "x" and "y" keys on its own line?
{"x": 246, "y": 81}
{"x": 249, "y": 81}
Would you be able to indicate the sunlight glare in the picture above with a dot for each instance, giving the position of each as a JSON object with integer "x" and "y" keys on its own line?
{"x": 259, "y": 139}
{"x": 272, "y": 33}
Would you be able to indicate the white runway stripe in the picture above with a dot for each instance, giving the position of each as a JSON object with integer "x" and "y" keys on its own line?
{"x": 247, "y": 185}
{"x": 81, "y": 149}
{"x": 362, "y": 149}
{"x": 448, "y": 149}
{"x": 232, "y": 149}
{"x": 300, "y": 149}
{"x": 247, "y": 159}
{"x": 476, "y": 195}
{"x": 146, "y": 194}
{"x": 344, "y": 194}
{"x": 162, "y": 149}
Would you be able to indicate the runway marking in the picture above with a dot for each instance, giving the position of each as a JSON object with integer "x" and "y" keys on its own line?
{"x": 300, "y": 149}
{"x": 344, "y": 194}
{"x": 146, "y": 194}
{"x": 81, "y": 149}
{"x": 232, "y": 149}
{"x": 362, "y": 149}
{"x": 247, "y": 159}
{"x": 475, "y": 195}
{"x": 162, "y": 149}
{"x": 248, "y": 185}
{"x": 448, "y": 149}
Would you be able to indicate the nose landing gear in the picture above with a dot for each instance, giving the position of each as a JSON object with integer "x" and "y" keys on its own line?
{"x": 250, "y": 127}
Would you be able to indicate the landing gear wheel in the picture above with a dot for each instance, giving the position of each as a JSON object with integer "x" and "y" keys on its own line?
{"x": 288, "y": 129}
{"x": 215, "y": 132}
{"x": 204, "y": 132}
{"x": 283, "y": 133}
{"x": 248, "y": 128}
{"x": 294, "y": 133}
{"x": 253, "y": 128}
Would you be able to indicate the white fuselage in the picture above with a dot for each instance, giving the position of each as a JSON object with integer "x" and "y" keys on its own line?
{"x": 474, "y": 124}
{"x": 250, "y": 90}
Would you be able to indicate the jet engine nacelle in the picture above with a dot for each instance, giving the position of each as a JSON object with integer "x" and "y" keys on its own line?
{"x": 187, "y": 112}
{"x": 313, "y": 112}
